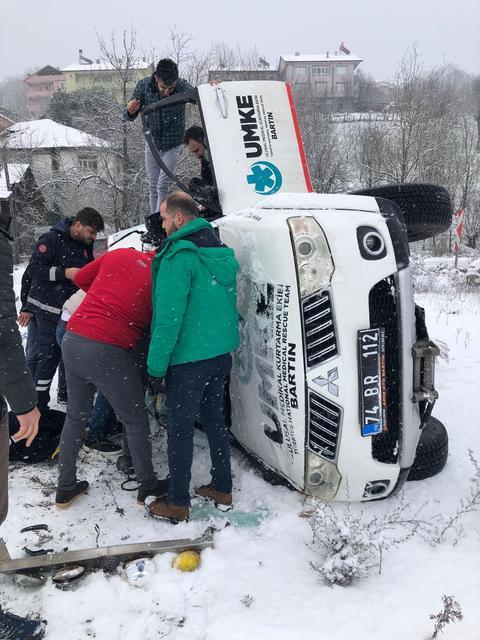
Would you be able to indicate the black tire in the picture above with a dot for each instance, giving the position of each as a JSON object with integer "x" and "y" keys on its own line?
{"x": 427, "y": 208}
{"x": 432, "y": 451}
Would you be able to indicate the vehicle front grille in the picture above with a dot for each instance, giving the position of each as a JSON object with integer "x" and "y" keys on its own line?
{"x": 384, "y": 313}
{"x": 324, "y": 422}
{"x": 319, "y": 329}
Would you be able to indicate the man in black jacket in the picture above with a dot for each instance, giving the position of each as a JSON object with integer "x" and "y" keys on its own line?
{"x": 17, "y": 387}
{"x": 195, "y": 142}
{"x": 202, "y": 187}
{"x": 47, "y": 283}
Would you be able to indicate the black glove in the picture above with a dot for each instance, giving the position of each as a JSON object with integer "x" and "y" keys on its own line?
{"x": 156, "y": 385}
{"x": 206, "y": 193}
{"x": 155, "y": 233}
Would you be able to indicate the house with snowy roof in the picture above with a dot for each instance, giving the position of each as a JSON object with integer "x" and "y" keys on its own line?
{"x": 330, "y": 75}
{"x": 5, "y": 122}
{"x": 69, "y": 165}
{"x": 41, "y": 86}
{"x": 89, "y": 74}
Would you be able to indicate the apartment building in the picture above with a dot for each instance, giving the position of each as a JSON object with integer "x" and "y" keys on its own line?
{"x": 41, "y": 86}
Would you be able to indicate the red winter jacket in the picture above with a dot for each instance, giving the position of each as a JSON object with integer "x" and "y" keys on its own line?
{"x": 118, "y": 306}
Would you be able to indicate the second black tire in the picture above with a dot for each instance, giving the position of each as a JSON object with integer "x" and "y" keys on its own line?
{"x": 432, "y": 451}
{"x": 427, "y": 208}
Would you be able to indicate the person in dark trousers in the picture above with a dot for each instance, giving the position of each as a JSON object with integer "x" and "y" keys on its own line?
{"x": 167, "y": 124}
{"x": 16, "y": 386}
{"x": 202, "y": 186}
{"x": 103, "y": 419}
{"x": 102, "y": 350}
{"x": 194, "y": 280}
{"x": 24, "y": 318}
{"x": 48, "y": 281}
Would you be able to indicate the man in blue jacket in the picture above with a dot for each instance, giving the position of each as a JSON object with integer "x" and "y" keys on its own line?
{"x": 47, "y": 283}
{"x": 167, "y": 124}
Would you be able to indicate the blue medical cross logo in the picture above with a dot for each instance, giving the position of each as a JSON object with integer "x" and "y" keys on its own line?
{"x": 265, "y": 177}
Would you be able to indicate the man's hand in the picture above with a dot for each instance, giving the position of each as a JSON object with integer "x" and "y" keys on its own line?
{"x": 71, "y": 272}
{"x": 24, "y": 318}
{"x": 133, "y": 106}
{"x": 28, "y": 426}
{"x": 156, "y": 385}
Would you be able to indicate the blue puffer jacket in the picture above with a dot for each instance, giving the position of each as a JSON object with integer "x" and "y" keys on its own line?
{"x": 44, "y": 286}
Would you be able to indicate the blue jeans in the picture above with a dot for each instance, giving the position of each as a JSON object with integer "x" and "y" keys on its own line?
{"x": 158, "y": 181}
{"x": 62, "y": 382}
{"x": 195, "y": 389}
{"x": 102, "y": 421}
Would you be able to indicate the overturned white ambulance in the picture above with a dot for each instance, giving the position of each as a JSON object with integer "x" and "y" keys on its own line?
{"x": 333, "y": 382}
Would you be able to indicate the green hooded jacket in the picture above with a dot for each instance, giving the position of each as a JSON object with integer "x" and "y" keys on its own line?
{"x": 194, "y": 300}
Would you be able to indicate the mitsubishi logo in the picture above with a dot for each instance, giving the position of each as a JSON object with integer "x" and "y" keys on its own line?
{"x": 329, "y": 381}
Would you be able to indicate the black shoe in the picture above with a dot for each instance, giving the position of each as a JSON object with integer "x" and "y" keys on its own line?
{"x": 64, "y": 499}
{"x": 160, "y": 490}
{"x": 125, "y": 465}
{"x": 16, "y": 628}
{"x": 106, "y": 446}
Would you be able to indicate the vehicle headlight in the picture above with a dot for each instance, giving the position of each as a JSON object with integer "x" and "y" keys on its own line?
{"x": 312, "y": 255}
{"x": 322, "y": 477}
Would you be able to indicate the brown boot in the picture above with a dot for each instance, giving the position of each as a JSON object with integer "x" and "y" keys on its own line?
{"x": 223, "y": 501}
{"x": 161, "y": 510}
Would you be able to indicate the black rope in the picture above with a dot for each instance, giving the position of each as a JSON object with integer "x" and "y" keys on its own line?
{"x": 125, "y": 483}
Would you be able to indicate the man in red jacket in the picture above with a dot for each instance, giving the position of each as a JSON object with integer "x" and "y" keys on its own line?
{"x": 102, "y": 350}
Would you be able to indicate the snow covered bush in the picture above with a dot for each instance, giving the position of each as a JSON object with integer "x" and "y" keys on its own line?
{"x": 451, "y": 612}
{"x": 350, "y": 545}
{"x": 471, "y": 503}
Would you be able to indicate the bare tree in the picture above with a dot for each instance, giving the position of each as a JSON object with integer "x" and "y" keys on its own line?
{"x": 370, "y": 140}
{"x": 328, "y": 146}
{"x": 366, "y": 89}
{"x": 476, "y": 106}
{"x": 467, "y": 193}
{"x": 125, "y": 58}
{"x": 13, "y": 97}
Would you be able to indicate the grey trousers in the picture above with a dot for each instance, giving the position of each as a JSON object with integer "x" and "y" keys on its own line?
{"x": 4, "y": 444}
{"x": 158, "y": 181}
{"x": 118, "y": 374}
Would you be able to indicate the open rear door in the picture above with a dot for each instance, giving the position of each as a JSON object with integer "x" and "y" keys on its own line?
{"x": 254, "y": 141}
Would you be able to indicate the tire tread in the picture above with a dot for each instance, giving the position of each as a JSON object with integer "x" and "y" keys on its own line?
{"x": 427, "y": 208}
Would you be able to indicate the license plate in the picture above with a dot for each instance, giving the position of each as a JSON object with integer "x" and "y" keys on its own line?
{"x": 371, "y": 358}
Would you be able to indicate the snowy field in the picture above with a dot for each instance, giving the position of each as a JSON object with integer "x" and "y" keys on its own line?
{"x": 256, "y": 583}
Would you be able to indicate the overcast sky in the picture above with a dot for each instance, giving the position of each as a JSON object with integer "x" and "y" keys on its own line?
{"x": 34, "y": 33}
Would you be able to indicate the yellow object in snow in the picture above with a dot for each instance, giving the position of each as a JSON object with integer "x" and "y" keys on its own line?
{"x": 186, "y": 561}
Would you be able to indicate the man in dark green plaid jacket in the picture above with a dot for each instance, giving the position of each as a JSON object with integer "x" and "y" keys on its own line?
{"x": 167, "y": 125}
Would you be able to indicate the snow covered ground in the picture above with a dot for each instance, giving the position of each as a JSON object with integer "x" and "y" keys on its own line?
{"x": 257, "y": 583}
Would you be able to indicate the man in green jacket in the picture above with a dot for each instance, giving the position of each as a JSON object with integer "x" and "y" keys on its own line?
{"x": 194, "y": 329}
